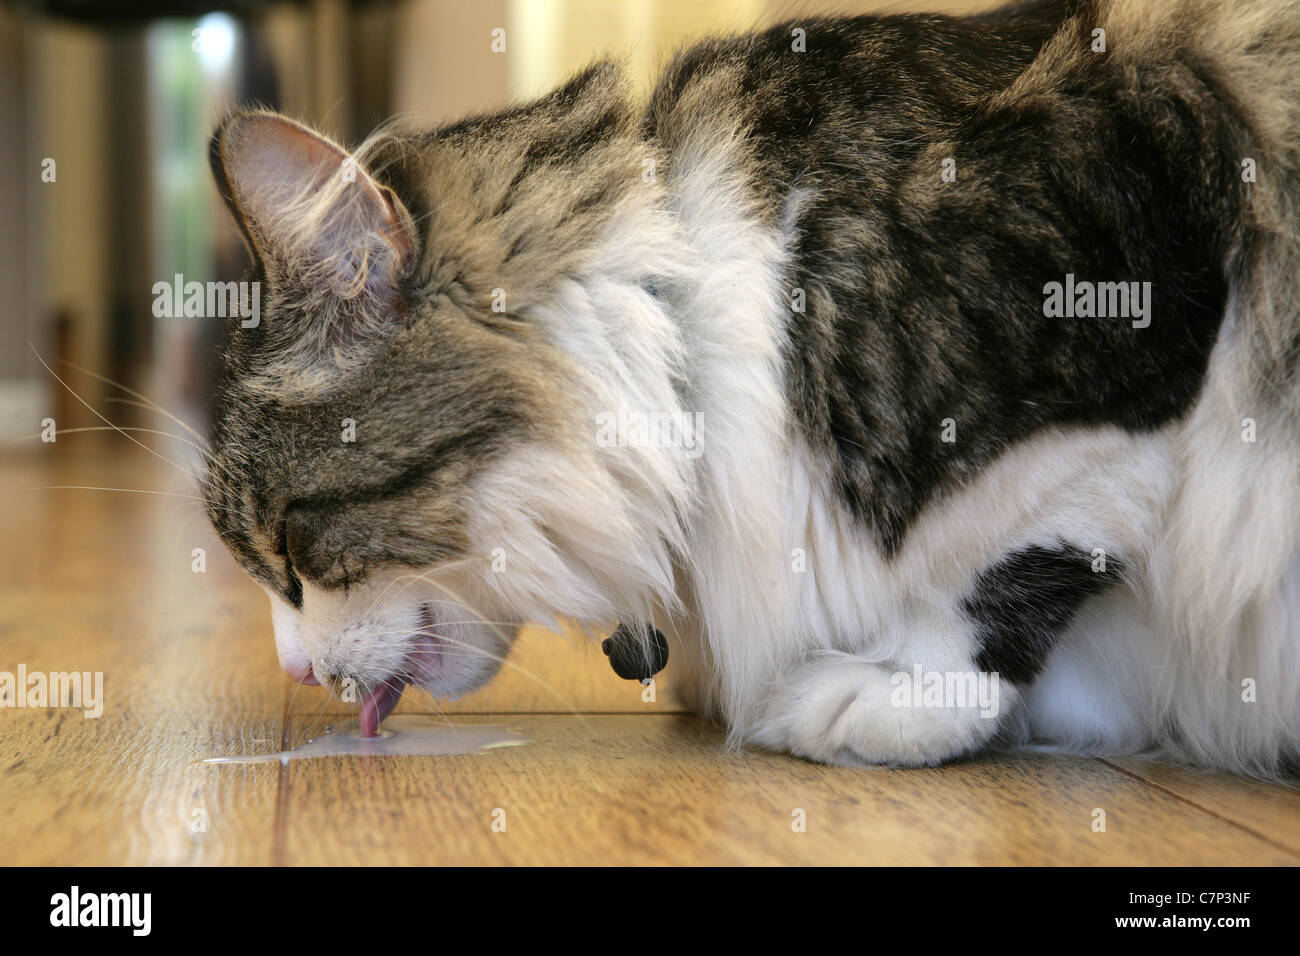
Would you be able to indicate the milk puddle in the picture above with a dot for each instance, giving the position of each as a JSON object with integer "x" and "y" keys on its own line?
{"x": 403, "y": 735}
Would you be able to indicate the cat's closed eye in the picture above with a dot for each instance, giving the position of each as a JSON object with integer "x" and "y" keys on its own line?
{"x": 294, "y": 591}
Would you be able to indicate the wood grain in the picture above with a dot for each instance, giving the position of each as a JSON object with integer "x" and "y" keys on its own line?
{"x": 102, "y": 581}
{"x": 97, "y": 581}
{"x": 1269, "y": 811}
{"x": 627, "y": 789}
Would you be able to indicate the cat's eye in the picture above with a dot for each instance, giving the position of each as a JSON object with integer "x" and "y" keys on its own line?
{"x": 294, "y": 594}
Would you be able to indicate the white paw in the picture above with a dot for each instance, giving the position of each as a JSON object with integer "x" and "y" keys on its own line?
{"x": 840, "y": 709}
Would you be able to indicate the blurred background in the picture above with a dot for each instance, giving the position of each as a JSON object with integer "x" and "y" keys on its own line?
{"x": 105, "y": 112}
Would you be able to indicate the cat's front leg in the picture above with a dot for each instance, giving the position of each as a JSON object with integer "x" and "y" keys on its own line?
{"x": 928, "y": 705}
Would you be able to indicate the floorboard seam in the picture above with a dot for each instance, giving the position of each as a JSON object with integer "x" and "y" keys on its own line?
{"x": 1192, "y": 803}
{"x": 278, "y": 839}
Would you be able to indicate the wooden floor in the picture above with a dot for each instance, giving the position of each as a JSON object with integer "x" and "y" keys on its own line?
{"x": 102, "y": 581}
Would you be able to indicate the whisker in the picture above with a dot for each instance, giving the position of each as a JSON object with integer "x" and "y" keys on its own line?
{"x": 503, "y": 661}
{"x": 456, "y": 599}
{"x": 433, "y": 701}
{"x": 117, "y": 428}
{"x": 144, "y": 400}
{"x": 322, "y": 712}
{"x": 98, "y": 415}
{"x": 411, "y": 578}
{"x": 569, "y": 704}
{"x": 130, "y": 491}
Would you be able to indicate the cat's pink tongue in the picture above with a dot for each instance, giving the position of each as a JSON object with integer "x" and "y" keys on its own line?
{"x": 378, "y": 705}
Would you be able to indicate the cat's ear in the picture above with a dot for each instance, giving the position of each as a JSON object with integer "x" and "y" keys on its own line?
{"x": 310, "y": 211}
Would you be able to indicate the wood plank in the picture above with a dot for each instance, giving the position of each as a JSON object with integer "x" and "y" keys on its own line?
{"x": 627, "y": 789}
{"x": 1270, "y": 810}
{"x": 100, "y": 582}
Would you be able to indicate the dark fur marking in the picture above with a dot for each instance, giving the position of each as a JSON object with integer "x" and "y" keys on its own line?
{"x": 925, "y": 298}
{"x": 1021, "y": 605}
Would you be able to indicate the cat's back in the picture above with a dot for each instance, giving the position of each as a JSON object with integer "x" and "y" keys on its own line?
{"x": 931, "y": 178}
{"x": 804, "y": 90}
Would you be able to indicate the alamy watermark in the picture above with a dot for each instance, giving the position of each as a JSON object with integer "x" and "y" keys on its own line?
{"x": 208, "y": 300}
{"x": 84, "y": 689}
{"x": 628, "y": 428}
{"x": 130, "y": 910}
{"x": 946, "y": 690}
{"x": 1100, "y": 300}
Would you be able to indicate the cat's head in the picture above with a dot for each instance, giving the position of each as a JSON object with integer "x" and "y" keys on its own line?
{"x": 404, "y": 446}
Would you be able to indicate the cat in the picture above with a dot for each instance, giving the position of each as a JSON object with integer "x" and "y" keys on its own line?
{"x": 931, "y": 383}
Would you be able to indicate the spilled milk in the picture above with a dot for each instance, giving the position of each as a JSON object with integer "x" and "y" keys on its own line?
{"x": 402, "y": 735}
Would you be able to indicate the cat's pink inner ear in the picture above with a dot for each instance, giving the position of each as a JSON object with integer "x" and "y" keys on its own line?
{"x": 288, "y": 181}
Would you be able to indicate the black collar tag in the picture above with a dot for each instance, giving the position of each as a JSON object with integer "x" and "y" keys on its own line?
{"x": 635, "y": 656}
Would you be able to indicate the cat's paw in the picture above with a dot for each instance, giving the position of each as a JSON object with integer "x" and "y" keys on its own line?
{"x": 841, "y": 709}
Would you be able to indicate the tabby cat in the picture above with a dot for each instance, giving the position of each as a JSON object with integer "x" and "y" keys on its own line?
{"x": 931, "y": 383}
